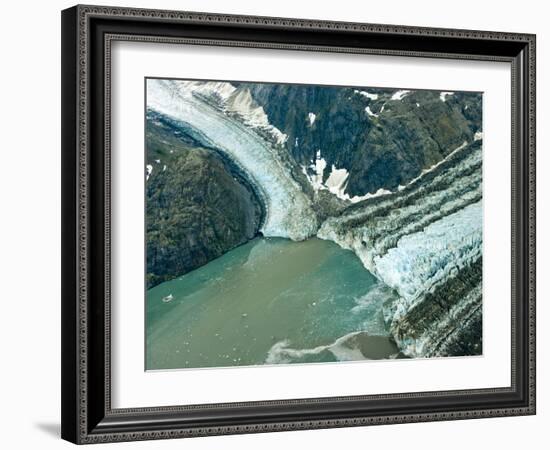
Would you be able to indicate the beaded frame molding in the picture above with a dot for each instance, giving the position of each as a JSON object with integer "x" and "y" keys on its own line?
{"x": 87, "y": 35}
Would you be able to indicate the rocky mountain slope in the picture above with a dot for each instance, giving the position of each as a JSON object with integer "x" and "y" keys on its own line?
{"x": 382, "y": 137}
{"x": 198, "y": 206}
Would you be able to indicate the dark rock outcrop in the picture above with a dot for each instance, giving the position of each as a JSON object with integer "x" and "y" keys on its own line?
{"x": 198, "y": 205}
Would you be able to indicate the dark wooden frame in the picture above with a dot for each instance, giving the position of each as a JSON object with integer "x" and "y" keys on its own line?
{"x": 87, "y": 32}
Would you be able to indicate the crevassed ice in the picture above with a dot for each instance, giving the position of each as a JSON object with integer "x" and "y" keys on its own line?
{"x": 207, "y": 108}
{"x": 229, "y": 99}
{"x": 412, "y": 261}
{"x": 422, "y": 259}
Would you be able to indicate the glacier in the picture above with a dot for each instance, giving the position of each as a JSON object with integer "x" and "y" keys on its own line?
{"x": 423, "y": 241}
{"x": 227, "y": 119}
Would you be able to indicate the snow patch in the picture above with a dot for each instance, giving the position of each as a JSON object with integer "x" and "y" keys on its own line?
{"x": 149, "y": 168}
{"x": 478, "y": 135}
{"x": 366, "y": 94}
{"x": 311, "y": 117}
{"x": 378, "y": 193}
{"x": 369, "y": 112}
{"x": 443, "y": 95}
{"x": 336, "y": 182}
{"x": 253, "y": 115}
{"x": 318, "y": 167}
{"x": 399, "y": 95}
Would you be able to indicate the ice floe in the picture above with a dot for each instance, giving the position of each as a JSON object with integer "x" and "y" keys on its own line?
{"x": 283, "y": 353}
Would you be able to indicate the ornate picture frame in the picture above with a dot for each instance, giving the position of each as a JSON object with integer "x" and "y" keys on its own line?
{"x": 88, "y": 33}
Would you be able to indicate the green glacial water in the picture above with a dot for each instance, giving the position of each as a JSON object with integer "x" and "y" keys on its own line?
{"x": 270, "y": 301}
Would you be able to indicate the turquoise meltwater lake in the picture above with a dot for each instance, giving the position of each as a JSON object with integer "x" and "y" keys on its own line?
{"x": 270, "y": 301}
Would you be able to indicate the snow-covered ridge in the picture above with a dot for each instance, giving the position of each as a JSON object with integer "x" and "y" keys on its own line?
{"x": 227, "y": 119}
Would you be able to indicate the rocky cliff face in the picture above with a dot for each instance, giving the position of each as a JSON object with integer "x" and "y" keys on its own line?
{"x": 198, "y": 204}
{"x": 394, "y": 175}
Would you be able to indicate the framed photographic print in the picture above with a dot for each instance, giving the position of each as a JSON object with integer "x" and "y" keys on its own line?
{"x": 278, "y": 224}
